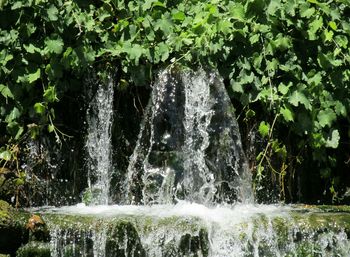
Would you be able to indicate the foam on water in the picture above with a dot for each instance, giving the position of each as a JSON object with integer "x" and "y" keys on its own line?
{"x": 221, "y": 214}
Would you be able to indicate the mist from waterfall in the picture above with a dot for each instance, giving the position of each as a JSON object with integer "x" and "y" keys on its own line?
{"x": 98, "y": 143}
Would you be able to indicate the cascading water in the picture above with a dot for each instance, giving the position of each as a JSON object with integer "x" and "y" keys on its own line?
{"x": 189, "y": 153}
{"x": 98, "y": 143}
{"x": 189, "y": 145}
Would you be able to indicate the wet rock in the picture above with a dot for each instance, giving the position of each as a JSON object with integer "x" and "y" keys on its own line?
{"x": 193, "y": 245}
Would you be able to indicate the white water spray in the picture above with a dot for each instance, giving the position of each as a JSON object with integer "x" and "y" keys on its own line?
{"x": 98, "y": 143}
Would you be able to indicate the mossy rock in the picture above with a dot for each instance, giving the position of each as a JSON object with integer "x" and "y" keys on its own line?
{"x": 124, "y": 241}
{"x": 13, "y": 232}
{"x": 34, "y": 249}
{"x": 299, "y": 232}
{"x": 195, "y": 245}
{"x": 17, "y": 227}
{"x": 291, "y": 231}
{"x": 5, "y": 209}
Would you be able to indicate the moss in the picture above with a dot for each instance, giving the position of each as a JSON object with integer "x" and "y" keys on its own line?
{"x": 77, "y": 222}
{"x": 12, "y": 228}
{"x": 321, "y": 220}
{"x": 299, "y": 232}
{"x": 4, "y": 211}
{"x": 34, "y": 249}
{"x": 334, "y": 208}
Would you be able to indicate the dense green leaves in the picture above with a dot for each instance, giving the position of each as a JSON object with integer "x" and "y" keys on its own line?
{"x": 290, "y": 58}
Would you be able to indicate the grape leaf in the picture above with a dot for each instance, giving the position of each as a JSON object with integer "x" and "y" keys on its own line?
{"x": 52, "y": 13}
{"x": 326, "y": 117}
{"x": 298, "y": 97}
{"x": 54, "y": 46}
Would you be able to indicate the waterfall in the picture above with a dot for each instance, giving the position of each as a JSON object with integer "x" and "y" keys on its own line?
{"x": 98, "y": 142}
{"x": 189, "y": 145}
{"x": 188, "y": 152}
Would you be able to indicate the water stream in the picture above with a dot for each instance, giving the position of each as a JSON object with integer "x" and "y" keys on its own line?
{"x": 189, "y": 146}
{"x": 98, "y": 143}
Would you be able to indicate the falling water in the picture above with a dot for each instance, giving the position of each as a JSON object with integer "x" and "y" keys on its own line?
{"x": 98, "y": 143}
{"x": 189, "y": 146}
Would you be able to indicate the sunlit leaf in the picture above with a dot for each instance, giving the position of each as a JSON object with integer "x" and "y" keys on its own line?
{"x": 50, "y": 94}
{"x": 5, "y": 155}
{"x": 326, "y": 117}
{"x": 14, "y": 114}
{"x": 52, "y": 13}
{"x": 298, "y": 97}
{"x": 287, "y": 114}
{"x": 306, "y": 11}
{"x": 31, "y": 48}
{"x": 237, "y": 11}
{"x": 50, "y": 128}
{"x": 34, "y": 76}
{"x": 333, "y": 140}
{"x": 6, "y": 92}
{"x": 180, "y": 16}
{"x": 314, "y": 26}
{"x": 264, "y": 129}
{"x": 39, "y": 108}
{"x": 333, "y": 25}
{"x": 283, "y": 89}
{"x": 54, "y": 46}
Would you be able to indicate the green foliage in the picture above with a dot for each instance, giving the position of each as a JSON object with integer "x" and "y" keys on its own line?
{"x": 290, "y": 57}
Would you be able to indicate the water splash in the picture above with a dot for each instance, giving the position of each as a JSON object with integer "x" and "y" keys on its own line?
{"x": 189, "y": 229}
{"x": 189, "y": 145}
{"x": 98, "y": 143}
